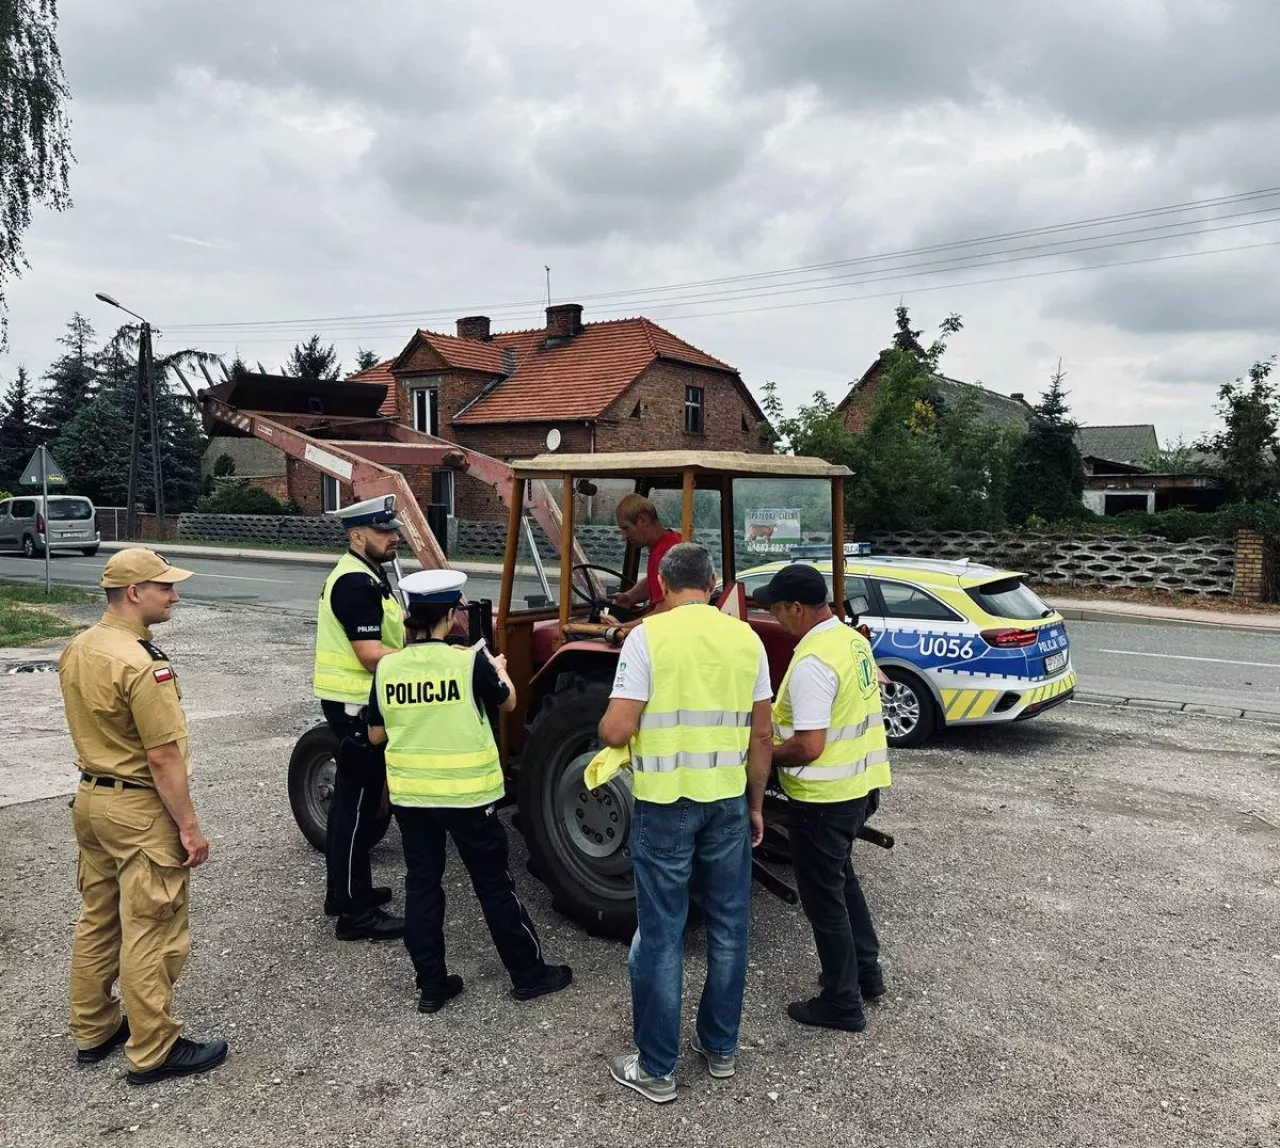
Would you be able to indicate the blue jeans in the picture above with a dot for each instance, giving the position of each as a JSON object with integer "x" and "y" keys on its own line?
{"x": 669, "y": 843}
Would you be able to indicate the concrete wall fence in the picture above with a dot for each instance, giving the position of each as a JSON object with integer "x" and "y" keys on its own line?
{"x": 1244, "y": 568}
{"x": 1205, "y": 566}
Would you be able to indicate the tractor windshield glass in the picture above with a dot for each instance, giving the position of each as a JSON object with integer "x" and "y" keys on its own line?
{"x": 777, "y": 520}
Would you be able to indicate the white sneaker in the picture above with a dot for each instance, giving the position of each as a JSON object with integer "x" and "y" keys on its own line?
{"x": 721, "y": 1067}
{"x": 625, "y": 1069}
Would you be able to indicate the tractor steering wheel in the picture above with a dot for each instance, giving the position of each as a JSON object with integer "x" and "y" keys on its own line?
{"x": 598, "y": 605}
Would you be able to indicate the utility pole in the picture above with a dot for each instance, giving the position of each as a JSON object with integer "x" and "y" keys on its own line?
{"x": 139, "y": 390}
{"x": 145, "y": 389}
{"x": 153, "y": 418}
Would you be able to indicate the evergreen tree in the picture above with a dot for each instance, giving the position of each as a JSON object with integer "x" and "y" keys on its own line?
{"x": 94, "y": 445}
{"x": 310, "y": 360}
{"x": 237, "y": 368}
{"x": 366, "y": 359}
{"x": 70, "y": 380}
{"x": 35, "y": 147}
{"x": 1048, "y": 472}
{"x": 96, "y": 441}
{"x": 1247, "y": 445}
{"x": 19, "y": 435}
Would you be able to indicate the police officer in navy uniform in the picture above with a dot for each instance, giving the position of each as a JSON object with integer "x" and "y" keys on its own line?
{"x": 360, "y": 621}
{"x": 444, "y": 772}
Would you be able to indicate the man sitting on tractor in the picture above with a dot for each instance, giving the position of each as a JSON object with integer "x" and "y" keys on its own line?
{"x": 640, "y": 525}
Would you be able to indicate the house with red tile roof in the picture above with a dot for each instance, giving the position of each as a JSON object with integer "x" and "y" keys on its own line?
{"x": 624, "y": 384}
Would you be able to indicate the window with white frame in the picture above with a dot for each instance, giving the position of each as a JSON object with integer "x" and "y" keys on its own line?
{"x": 426, "y": 409}
{"x": 693, "y": 421}
{"x": 330, "y": 493}
{"x": 442, "y": 489}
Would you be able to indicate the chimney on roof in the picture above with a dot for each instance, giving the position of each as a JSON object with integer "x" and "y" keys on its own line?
{"x": 564, "y": 320}
{"x": 1018, "y": 397}
{"x": 474, "y": 327}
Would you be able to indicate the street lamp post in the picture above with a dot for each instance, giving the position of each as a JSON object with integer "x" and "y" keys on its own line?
{"x": 145, "y": 386}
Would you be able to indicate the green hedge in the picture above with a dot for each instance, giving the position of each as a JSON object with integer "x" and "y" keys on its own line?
{"x": 1177, "y": 525}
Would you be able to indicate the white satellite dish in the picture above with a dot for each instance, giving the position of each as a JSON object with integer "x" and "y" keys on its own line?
{"x": 553, "y": 439}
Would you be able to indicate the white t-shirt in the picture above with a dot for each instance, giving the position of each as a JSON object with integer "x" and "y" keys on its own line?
{"x": 634, "y": 679}
{"x": 813, "y": 687}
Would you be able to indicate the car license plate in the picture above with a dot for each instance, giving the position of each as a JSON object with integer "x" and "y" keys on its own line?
{"x": 1054, "y": 662}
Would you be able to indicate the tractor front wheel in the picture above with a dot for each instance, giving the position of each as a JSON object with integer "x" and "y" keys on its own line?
{"x": 579, "y": 839}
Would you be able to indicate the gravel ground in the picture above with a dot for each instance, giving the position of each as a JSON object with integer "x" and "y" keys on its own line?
{"x": 1081, "y": 928}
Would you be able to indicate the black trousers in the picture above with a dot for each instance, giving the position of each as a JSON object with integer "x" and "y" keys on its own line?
{"x": 354, "y": 826}
{"x": 821, "y": 843}
{"x": 481, "y": 842}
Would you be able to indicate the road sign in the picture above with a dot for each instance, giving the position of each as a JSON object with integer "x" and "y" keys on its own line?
{"x": 42, "y": 471}
{"x": 37, "y": 474}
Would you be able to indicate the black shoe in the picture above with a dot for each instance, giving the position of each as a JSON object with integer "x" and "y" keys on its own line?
{"x": 552, "y": 979}
{"x": 185, "y": 1058}
{"x": 817, "y": 1013}
{"x": 371, "y": 925}
{"x": 102, "y": 1051}
{"x": 378, "y": 897}
{"x": 436, "y": 1000}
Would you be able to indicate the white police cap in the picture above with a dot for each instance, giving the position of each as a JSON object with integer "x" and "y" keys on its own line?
{"x": 380, "y": 513}
{"x": 433, "y": 587}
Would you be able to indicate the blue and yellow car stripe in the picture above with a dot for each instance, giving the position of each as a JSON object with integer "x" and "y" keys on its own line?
{"x": 973, "y": 705}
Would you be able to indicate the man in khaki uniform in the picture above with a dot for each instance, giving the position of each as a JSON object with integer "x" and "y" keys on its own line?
{"x": 136, "y": 827}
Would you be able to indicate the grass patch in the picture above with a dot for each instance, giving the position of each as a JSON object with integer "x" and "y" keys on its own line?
{"x": 27, "y": 615}
{"x": 11, "y": 592}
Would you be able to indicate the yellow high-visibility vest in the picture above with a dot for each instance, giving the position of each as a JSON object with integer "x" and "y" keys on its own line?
{"x": 338, "y": 675}
{"x": 440, "y": 748}
{"x": 856, "y": 757}
{"x": 695, "y": 729}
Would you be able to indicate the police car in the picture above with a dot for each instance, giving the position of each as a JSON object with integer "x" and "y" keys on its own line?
{"x": 961, "y": 643}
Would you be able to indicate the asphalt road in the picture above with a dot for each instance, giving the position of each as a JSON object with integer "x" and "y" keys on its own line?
{"x": 1177, "y": 663}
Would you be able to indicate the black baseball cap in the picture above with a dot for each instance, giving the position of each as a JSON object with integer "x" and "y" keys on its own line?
{"x": 798, "y": 582}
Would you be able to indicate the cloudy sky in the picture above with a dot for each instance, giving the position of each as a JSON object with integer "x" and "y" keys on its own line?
{"x": 392, "y": 164}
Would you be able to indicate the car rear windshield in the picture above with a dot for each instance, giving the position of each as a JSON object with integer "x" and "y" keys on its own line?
{"x": 1009, "y": 598}
{"x": 68, "y": 509}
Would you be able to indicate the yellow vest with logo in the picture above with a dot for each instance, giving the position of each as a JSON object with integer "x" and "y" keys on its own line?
{"x": 695, "y": 729}
{"x": 440, "y": 747}
{"x": 338, "y": 675}
{"x": 856, "y": 757}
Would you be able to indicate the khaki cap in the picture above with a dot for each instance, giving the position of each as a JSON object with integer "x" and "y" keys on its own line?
{"x": 137, "y": 564}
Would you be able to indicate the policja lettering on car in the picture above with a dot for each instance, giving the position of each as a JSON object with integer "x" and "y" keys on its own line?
{"x": 420, "y": 693}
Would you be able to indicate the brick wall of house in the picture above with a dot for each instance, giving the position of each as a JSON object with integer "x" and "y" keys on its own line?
{"x": 858, "y": 413}
{"x": 507, "y": 441}
{"x": 276, "y": 485}
{"x": 660, "y": 425}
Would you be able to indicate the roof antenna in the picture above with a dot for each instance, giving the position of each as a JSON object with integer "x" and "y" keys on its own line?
{"x": 548, "y": 271}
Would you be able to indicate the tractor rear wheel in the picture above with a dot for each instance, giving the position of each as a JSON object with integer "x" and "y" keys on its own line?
{"x": 579, "y": 839}
{"x": 313, "y": 767}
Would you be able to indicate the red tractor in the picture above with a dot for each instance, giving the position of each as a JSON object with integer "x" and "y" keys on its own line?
{"x": 562, "y": 655}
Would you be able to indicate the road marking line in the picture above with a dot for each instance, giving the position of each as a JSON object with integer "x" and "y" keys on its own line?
{"x": 204, "y": 574}
{"x": 1190, "y": 658}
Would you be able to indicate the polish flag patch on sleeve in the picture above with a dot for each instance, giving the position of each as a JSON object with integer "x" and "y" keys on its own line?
{"x": 163, "y": 674}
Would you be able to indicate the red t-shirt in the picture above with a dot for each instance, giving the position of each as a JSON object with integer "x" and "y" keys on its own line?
{"x": 656, "y": 551}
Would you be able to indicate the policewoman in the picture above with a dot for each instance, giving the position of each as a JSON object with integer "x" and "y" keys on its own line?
{"x": 831, "y": 756}
{"x": 360, "y": 622}
{"x": 444, "y": 774}
{"x": 136, "y": 827}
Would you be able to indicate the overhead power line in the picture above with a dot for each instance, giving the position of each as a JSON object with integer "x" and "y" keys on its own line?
{"x": 893, "y": 266}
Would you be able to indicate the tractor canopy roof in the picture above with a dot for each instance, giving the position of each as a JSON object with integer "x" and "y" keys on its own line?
{"x": 658, "y": 464}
